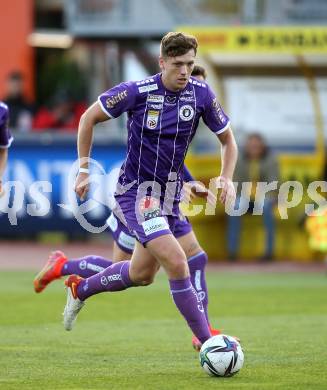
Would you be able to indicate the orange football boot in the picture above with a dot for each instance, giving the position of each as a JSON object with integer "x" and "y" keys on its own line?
{"x": 50, "y": 272}
{"x": 197, "y": 343}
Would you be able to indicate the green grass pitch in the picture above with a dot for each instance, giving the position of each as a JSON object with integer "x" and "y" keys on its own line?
{"x": 137, "y": 340}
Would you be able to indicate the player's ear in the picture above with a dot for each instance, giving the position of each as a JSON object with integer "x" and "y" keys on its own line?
{"x": 161, "y": 63}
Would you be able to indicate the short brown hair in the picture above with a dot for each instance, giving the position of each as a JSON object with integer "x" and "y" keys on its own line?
{"x": 199, "y": 71}
{"x": 175, "y": 44}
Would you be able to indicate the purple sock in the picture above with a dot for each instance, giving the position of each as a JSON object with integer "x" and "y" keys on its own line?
{"x": 86, "y": 266}
{"x": 197, "y": 264}
{"x": 188, "y": 303}
{"x": 113, "y": 278}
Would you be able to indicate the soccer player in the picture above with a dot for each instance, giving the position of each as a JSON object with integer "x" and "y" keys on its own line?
{"x": 124, "y": 243}
{"x": 5, "y": 140}
{"x": 163, "y": 114}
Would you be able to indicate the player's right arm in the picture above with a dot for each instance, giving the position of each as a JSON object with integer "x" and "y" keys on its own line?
{"x": 3, "y": 163}
{"x": 110, "y": 104}
{"x": 5, "y": 141}
{"x": 93, "y": 115}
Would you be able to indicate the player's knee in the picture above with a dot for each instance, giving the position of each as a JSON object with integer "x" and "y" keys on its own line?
{"x": 147, "y": 281}
{"x": 200, "y": 259}
{"x": 179, "y": 269}
{"x": 193, "y": 250}
{"x": 143, "y": 278}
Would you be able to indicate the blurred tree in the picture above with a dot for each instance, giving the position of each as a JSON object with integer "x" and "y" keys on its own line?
{"x": 56, "y": 71}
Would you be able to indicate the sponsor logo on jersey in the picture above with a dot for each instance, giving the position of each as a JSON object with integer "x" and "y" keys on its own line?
{"x": 155, "y": 106}
{"x": 194, "y": 82}
{"x": 218, "y": 111}
{"x": 149, "y": 207}
{"x": 126, "y": 241}
{"x": 146, "y": 81}
{"x": 152, "y": 119}
{"x": 113, "y": 100}
{"x": 215, "y": 104}
{"x": 154, "y": 225}
{"x": 187, "y": 99}
{"x": 187, "y": 92}
{"x": 148, "y": 88}
{"x": 186, "y": 113}
{"x": 170, "y": 100}
{"x": 155, "y": 98}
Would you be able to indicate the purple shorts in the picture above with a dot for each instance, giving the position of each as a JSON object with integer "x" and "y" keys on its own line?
{"x": 122, "y": 236}
{"x": 146, "y": 226}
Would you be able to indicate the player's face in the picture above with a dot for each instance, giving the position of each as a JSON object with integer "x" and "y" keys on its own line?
{"x": 176, "y": 71}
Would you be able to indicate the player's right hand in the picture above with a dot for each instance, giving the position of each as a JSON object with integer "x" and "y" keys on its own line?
{"x": 82, "y": 185}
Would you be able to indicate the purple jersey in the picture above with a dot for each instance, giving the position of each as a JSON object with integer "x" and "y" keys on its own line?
{"x": 161, "y": 125}
{"x": 5, "y": 135}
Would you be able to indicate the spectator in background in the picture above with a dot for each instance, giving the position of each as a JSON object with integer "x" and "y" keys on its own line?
{"x": 62, "y": 114}
{"x": 5, "y": 139}
{"x": 21, "y": 110}
{"x": 316, "y": 225}
{"x": 256, "y": 164}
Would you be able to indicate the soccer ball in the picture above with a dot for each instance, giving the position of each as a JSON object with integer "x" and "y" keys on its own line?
{"x": 221, "y": 355}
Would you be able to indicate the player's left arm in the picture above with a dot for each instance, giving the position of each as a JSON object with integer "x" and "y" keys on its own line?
{"x": 229, "y": 154}
{"x": 218, "y": 122}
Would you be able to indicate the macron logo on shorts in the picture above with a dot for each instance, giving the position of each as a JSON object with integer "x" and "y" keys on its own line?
{"x": 154, "y": 225}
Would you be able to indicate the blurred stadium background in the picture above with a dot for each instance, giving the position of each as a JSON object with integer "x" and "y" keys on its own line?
{"x": 266, "y": 60}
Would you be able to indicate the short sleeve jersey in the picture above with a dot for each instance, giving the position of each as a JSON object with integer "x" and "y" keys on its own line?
{"x": 161, "y": 124}
{"x": 5, "y": 135}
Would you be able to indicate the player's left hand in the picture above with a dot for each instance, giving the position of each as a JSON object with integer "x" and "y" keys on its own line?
{"x": 82, "y": 185}
{"x": 228, "y": 193}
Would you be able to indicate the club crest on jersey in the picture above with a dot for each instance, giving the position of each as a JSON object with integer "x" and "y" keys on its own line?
{"x": 186, "y": 113}
{"x": 152, "y": 119}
